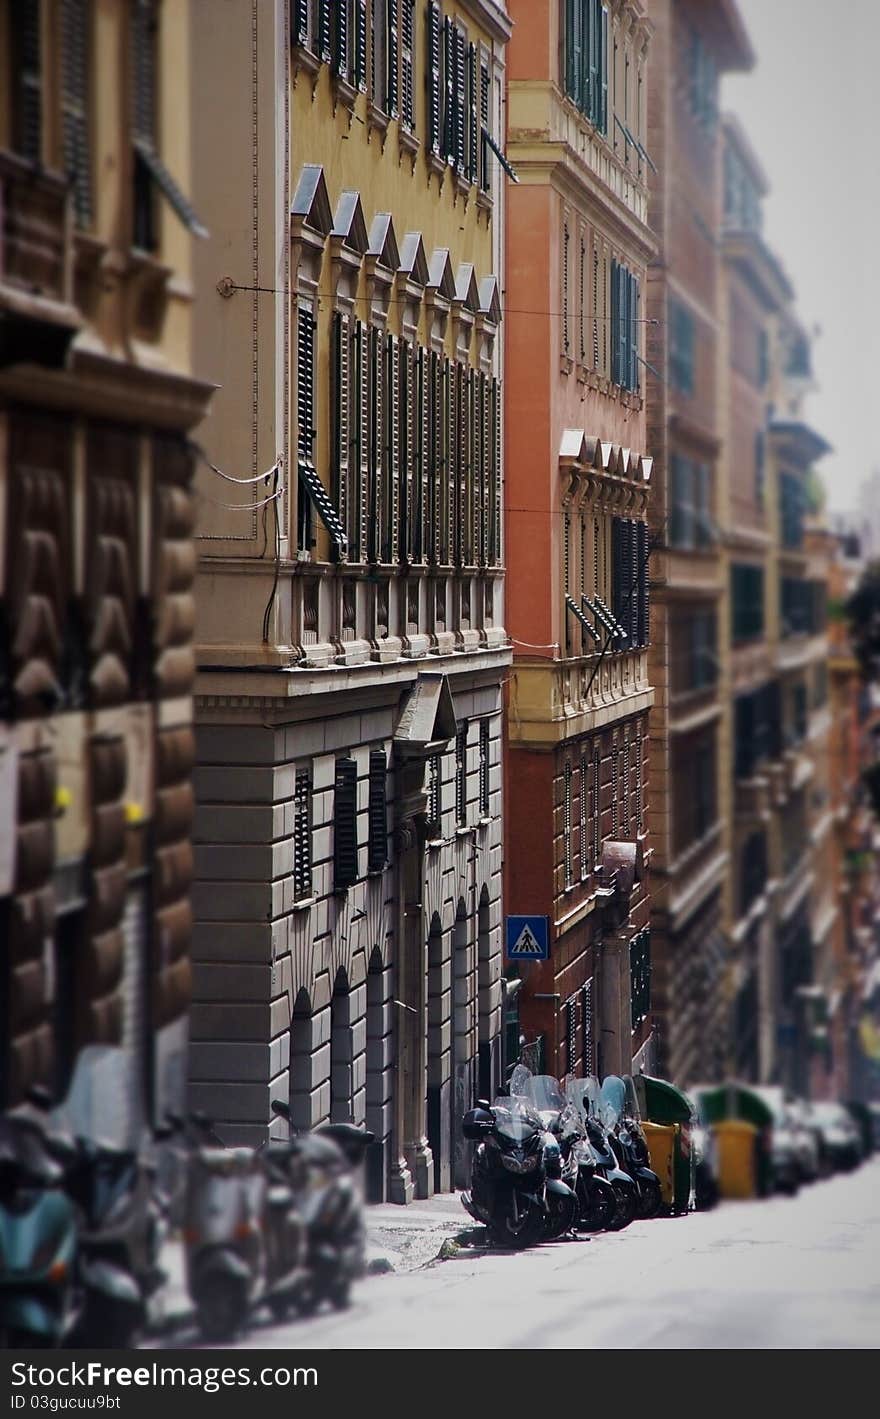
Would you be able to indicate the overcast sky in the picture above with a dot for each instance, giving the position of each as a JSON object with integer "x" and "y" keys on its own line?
{"x": 811, "y": 107}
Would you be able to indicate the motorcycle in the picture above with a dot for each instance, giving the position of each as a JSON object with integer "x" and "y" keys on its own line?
{"x": 620, "y": 1113}
{"x": 321, "y": 1166}
{"x": 597, "y": 1200}
{"x": 509, "y": 1182}
{"x": 39, "y": 1300}
{"x": 586, "y": 1095}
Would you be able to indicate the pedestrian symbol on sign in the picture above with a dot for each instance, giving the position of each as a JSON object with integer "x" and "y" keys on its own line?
{"x": 528, "y": 938}
{"x": 526, "y": 944}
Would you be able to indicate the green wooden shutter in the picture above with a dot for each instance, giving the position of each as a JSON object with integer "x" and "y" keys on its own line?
{"x": 644, "y": 614}
{"x": 360, "y": 44}
{"x": 302, "y": 835}
{"x": 435, "y": 98}
{"x": 472, "y": 112}
{"x": 341, "y": 406}
{"x": 340, "y": 46}
{"x": 616, "y": 323}
{"x": 300, "y": 21}
{"x": 602, "y": 121}
{"x": 305, "y": 416}
{"x": 485, "y": 175}
{"x": 449, "y": 77}
{"x": 345, "y": 844}
{"x": 391, "y": 85}
{"x": 325, "y": 29}
{"x": 460, "y": 100}
{"x": 407, "y": 105}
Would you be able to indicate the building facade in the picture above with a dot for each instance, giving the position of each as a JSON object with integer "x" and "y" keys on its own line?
{"x": 350, "y": 606}
{"x": 693, "y": 45}
{"x": 578, "y": 480}
{"x": 96, "y": 552}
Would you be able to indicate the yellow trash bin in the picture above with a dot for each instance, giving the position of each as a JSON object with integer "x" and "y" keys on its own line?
{"x": 737, "y": 1157}
{"x": 660, "y": 1138}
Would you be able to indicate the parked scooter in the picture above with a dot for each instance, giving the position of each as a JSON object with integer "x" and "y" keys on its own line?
{"x": 509, "y": 1183}
{"x": 596, "y": 1196}
{"x": 38, "y": 1237}
{"x": 566, "y": 1142}
{"x": 321, "y": 1167}
{"x": 621, "y": 1117}
{"x": 594, "y": 1114}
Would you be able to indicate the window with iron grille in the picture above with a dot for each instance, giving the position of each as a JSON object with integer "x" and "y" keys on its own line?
{"x": 571, "y": 1035}
{"x": 589, "y": 1054}
{"x": 461, "y": 777}
{"x": 484, "y": 768}
{"x": 26, "y": 73}
{"x": 302, "y": 835}
{"x": 567, "y": 853}
{"x": 377, "y": 812}
{"x": 345, "y": 839}
{"x": 76, "y": 36}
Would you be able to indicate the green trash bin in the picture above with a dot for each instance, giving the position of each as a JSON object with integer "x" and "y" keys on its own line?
{"x": 664, "y": 1103}
{"x": 737, "y": 1102}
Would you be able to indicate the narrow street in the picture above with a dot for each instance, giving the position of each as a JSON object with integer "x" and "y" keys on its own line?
{"x": 800, "y": 1273}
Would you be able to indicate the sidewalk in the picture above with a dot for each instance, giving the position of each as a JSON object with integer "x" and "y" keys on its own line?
{"x": 399, "y": 1239}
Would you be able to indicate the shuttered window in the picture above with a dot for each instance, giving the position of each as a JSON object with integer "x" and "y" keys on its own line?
{"x": 485, "y": 169}
{"x": 473, "y": 106}
{"x": 571, "y": 1035}
{"x": 435, "y": 92}
{"x": 392, "y": 57}
{"x": 566, "y": 243}
{"x": 582, "y": 299}
{"x": 341, "y": 406}
{"x": 379, "y": 52}
{"x": 76, "y": 37}
{"x": 340, "y": 58}
{"x": 302, "y": 835}
{"x": 615, "y": 791}
{"x": 360, "y": 44}
{"x": 496, "y": 550}
{"x": 747, "y": 601}
{"x": 625, "y": 298}
{"x": 435, "y": 794}
{"x": 567, "y": 847}
{"x": 640, "y": 769}
{"x": 584, "y": 805}
{"x": 377, "y": 850}
{"x": 27, "y": 77}
{"x": 589, "y": 1053}
{"x": 596, "y": 807}
{"x": 144, "y": 45}
{"x": 407, "y": 98}
{"x": 682, "y": 333}
{"x": 586, "y": 59}
{"x": 305, "y": 416}
{"x": 484, "y": 769}
{"x": 300, "y": 22}
{"x": 461, "y": 776}
{"x": 345, "y": 843}
{"x": 324, "y": 36}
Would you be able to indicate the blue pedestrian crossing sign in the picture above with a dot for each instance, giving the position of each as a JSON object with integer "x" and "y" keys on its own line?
{"x": 528, "y": 938}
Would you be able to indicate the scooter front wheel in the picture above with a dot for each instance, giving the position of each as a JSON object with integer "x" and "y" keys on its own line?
{"x": 650, "y": 1199}
{"x": 561, "y": 1214}
{"x": 526, "y": 1232}
{"x": 625, "y": 1207}
{"x": 598, "y": 1205}
{"x": 220, "y": 1309}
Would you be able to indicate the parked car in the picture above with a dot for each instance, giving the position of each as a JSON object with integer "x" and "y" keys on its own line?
{"x": 807, "y": 1138}
{"x": 785, "y": 1142}
{"x": 840, "y": 1141}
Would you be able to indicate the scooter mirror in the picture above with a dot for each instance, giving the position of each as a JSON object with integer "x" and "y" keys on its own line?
{"x": 281, "y": 1109}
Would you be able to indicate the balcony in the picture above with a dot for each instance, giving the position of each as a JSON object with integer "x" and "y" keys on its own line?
{"x": 37, "y": 317}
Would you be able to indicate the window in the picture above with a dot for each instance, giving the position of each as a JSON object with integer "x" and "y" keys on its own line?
{"x": 345, "y": 837}
{"x": 26, "y": 73}
{"x": 792, "y": 506}
{"x": 640, "y": 976}
{"x": 681, "y": 347}
{"x": 694, "y": 637}
{"x": 802, "y": 606}
{"x": 691, "y": 527}
{"x": 484, "y": 768}
{"x": 763, "y": 358}
{"x": 302, "y": 835}
{"x": 640, "y": 769}
{"x": 760, "y": 467}
{"x": 571, "y": 1035}
{"x": 753, "y": 869}
{"x": 615, "y": 790}
{"x": 703, "y": 87}
{"x": 629, "y": 579}
{"x": 458, "y": 98}
{"x": 695, "y": 805}
{"x": 407, "y": 46}
{"x": 566, "y": 243}
{"x": 567, "y": 853}
{"x": 586, "y": 59}
{"x": 151, "y": 176}
{"x": 435, "y": 794}
{"x": 589, "y": 1059}
{"x": 380, "y": 55}
{"x": 305, "y": 416}
{"x": 585, "y": 813}
{"x": 461, "y": 777}
{"x": 747, "y": 601}
{"x": 377, "y": 812}
{"x": 798, "y": 721}
{"x": 757, "y": 729}
{"x": 625, "y": 296}
{"x": 75, "y": 54}
{"x": 596, "y": 807}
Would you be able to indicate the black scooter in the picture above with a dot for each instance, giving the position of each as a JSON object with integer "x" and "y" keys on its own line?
{"x": 585, "y": 1095}
{"x": 620, "y": 1115}
{"x": 511, "y": 1192}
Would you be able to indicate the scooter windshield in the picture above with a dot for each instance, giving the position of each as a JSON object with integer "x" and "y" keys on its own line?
{"x": 578, "y": 1098}
{"x": 545, "y": 1094}
{"x": 632, "y": 1099}
{"x": 515, "y": 1119}
{"x": 612, "y": 1101}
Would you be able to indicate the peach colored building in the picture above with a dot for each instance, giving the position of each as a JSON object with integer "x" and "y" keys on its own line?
{"x": 578, "y": 474}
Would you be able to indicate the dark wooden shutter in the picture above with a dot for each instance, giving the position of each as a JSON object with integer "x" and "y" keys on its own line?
{"x": 484, "y": 768}
{"x": 345, "y": 844}
{"x": 460, "y": 99}
{"x": 341, "y": 406}
{"x": 377, "y": 813}
{"x": 635, "y": 331}
{"x": 567, "y": 853}
{"x": 566, "y": 242}
{"x": 300, "y": 22}
{"x": 407, "y": 105}
{"x": 496, "y": 471}
{"x": 589, "y": 1058}
{"x": 144, "y": 35}
{"x": 485, "y": 179}
{"x": 584, "y": 816}
{"x": 305, "y": 415}
{"x": 593, "y": 95}
{"x": 27, "y": 77}
{"x": 339, "y": 15}
{"x": 472, "y": 110}
{"x": 616, "y": 314}
{"x": 461, "y": 776}
{"x": 302, "y": 835}
{"x": 617, "y": 568}
{"x": 446, "y": 512}
{"x": 374, "y": 472}
{"x": 421, "y": 524}
{"x": 324, "y": 46}
{"x": 573, "y": 59}
{"x": 394, "y": 467}
{"x": 435, "y": 794}
{"x": 643, "y": 565}
{"x": 76, "y": 36}
{"x": 435, "y": 456}
{"x": 391, "y": 58}
{"x": 405, "y": 474}
{"x": 435, "y": 98}
{"x": 449, "y": 87}
{"x": 360, "y": 44}
{"x": 602, "y": 121}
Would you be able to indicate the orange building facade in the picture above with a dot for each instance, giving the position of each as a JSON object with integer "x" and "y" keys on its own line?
{"x": 577, "y": 488}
